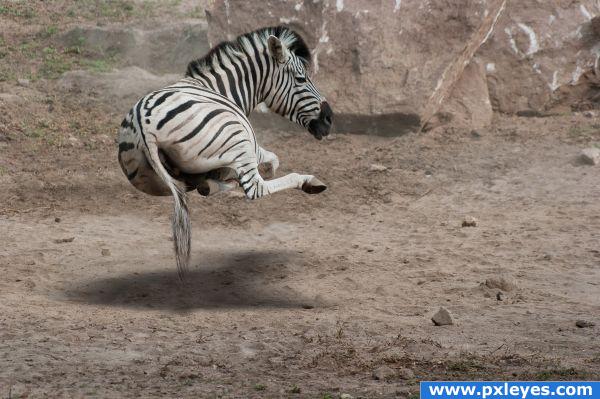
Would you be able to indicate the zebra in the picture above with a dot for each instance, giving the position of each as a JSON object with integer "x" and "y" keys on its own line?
{"x": 195, "y": 134}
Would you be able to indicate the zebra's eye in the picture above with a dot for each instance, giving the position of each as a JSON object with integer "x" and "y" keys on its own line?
{"x": 300, "y": 79}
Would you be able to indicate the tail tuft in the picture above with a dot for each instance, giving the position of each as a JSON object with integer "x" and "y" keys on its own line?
{"x": 181, "y": 232}
{"x": 181, "y": 217}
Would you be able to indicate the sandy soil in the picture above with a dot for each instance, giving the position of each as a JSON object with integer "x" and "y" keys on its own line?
{"x": 312, "y": 292}
{"x": 294, "y": 295}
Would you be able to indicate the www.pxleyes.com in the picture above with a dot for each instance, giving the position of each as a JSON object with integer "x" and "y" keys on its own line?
{"x": 510, "y": 390}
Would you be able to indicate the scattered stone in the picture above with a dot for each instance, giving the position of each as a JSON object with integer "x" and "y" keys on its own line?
{"x": 501, "y": 283}
{"x": 307, "y": 306}
{"x": 63, "y": 240}
{"x": 547, "y": 257}
{"x": 57, "y": 219}
{"x": 105, "y": 252}
{"x": 428, "y": 173}
{"x": 475, "y": 134}
{"x": 383, "y": 373}
{"x": 23, "y": 82}
{"x": 377, "y": 168}
{"x": 500, "y": 296}
{"x": 591, "y": 155}
{"x": 469, "y": 221}
{"x": 406, "y": 374}
{"x": 442, "y": 317}
{"x": 346, "y": 396}
{"x": 589, "y": 114}
{"x": 584, "y": 324}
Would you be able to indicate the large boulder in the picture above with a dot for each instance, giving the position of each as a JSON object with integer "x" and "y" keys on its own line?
{"x": 386, "y": 66}
{"x": 537, "y": 48}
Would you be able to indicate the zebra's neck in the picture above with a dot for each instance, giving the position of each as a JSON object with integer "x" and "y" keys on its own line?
{"x": 241, "y": 78}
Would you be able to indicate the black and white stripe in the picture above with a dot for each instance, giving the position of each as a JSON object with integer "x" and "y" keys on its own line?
{"x": 195, "y": 134}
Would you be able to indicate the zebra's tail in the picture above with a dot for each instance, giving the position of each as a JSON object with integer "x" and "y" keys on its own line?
{"x": 181, "y": 217}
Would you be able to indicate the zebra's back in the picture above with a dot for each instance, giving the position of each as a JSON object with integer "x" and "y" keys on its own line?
{"x": 198, "y": 129}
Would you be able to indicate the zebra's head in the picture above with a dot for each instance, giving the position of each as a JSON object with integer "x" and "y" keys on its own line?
{"x": 292, "y": 94}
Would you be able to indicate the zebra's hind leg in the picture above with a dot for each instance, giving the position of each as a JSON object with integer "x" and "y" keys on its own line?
{"x": 218, "y": 180}
{"x": 268, "y": 163}
{"x": 212, "y": 186}
{"x": 255, "y": 187}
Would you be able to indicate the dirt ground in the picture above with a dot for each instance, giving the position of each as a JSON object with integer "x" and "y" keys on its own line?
{"x": 295, "y": 295}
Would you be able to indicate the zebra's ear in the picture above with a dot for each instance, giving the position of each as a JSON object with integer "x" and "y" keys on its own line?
{"x": 277, "y": 49}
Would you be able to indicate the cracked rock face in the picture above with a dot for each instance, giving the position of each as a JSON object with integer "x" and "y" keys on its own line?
{"x": 537, "y": 48}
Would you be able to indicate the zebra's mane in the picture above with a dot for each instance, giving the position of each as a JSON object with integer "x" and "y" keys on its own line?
{"x": 235, "y": 48}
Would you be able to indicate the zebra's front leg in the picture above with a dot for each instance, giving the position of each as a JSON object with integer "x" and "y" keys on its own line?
{"x": 268, "y": 163}
{"x": 255, "y": 187}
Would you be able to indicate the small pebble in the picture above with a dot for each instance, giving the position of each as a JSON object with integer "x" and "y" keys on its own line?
{"x": 376, "y": 167}
{"x": 469, "y": 221}
{"x": 584, "y": 324}
{"x": 500, "y": 296}
{"x": 383, "y": 373}
{"x": 64, "y": 240}
{"x": 475, "y": 134}
{"x": 23, "y": 82}
{"x": 307, "y": 306}
{"x": 57, "y": 219}
{"x": 591, "y": 156}
{"x": 406, "y": 374}
{"x": 346, "y": 396}
{"x": 442, "y": 317}
{"x": 589, "y": 114}
{"x": 501, "y": 283}
{"x": 105, "y": 252}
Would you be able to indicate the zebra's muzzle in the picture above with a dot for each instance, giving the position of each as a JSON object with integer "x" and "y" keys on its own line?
{"x": 321, "y": 126}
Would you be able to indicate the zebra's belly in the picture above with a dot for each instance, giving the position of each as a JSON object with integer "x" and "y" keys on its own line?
{"x": 188, "y": 163}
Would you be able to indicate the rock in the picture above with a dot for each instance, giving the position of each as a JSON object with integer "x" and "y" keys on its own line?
{"x": 595, "y": 22}
{"x": 469, "y": 221}
{"x": 377, "y": 167}
{"x": 405, "y": 374}
{"x": 591, "y": 156}
{"x": 442, "y": 317}
{"x": 383, "y": 373}
{"x": 57, "y": 219}
{"x": 537, "y": 50}
{"x": 584, "y": 324}
{"x": 64, "y": 240}
{"x": 589, "y": 114}
{"x": 469, "y": 103}
{"x": 23, "y": 82}
{"x": 500, "y": 296}
{"x": 501, "y": 283}
{"x": 105, "y": 252}
{"x": 417, "y": 53}
{"x": 346, "y": 396}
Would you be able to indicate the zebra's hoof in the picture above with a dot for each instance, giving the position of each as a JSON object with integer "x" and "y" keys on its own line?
{"x": 314, "y": 186}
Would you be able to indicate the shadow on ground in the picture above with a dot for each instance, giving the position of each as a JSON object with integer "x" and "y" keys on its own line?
{"x": 225, "y": 280}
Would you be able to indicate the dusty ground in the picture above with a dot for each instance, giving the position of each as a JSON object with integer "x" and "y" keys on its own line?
{"x": 294, "y": 295}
